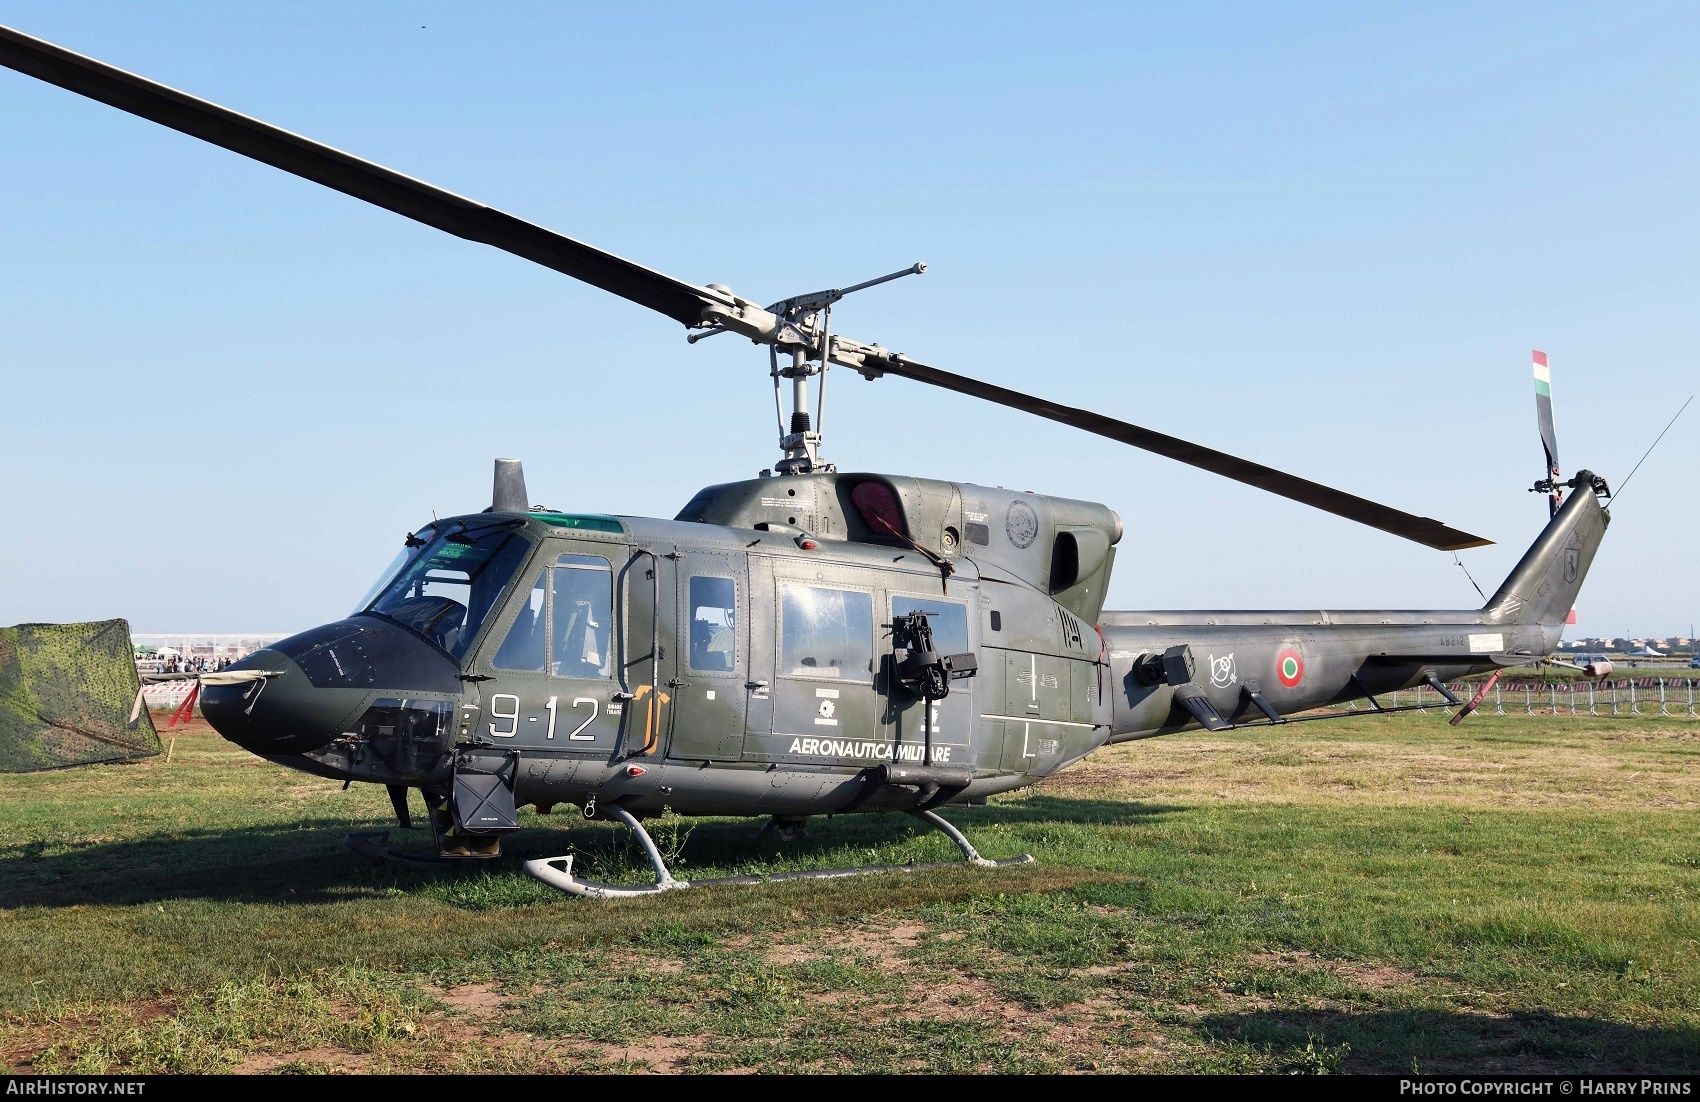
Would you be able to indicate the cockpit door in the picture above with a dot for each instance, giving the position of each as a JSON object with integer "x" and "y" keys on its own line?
{"x": 546, "y": 680}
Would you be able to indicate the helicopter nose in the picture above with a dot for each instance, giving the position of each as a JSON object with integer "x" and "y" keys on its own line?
{"x": 284, "y": 713}
{"x": 317, "y": 682}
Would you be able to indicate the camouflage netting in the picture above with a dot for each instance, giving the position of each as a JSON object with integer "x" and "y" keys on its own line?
{"x": 66, "y": 691}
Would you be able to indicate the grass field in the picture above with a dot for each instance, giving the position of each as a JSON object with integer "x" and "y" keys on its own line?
{"x": 1373, "y": 894}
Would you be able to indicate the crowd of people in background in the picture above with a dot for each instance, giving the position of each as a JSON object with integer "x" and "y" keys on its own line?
{"x": 175, "y": 663}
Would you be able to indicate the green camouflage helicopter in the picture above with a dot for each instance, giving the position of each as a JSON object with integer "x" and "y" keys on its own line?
{"x": 807, "y": 642}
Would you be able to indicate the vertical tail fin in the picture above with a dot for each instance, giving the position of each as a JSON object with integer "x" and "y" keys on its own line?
{"x": 1543, "y": 587}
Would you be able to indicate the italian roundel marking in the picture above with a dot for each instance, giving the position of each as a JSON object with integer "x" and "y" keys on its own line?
{"x": 1290, "y": 667}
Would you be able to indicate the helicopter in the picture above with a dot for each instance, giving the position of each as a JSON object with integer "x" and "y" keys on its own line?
{"x": 806, "y": 642}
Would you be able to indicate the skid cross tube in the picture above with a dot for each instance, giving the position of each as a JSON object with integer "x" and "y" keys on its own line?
{"x": 557, "y": 872}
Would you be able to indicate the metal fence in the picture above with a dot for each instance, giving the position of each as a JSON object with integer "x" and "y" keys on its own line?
{"x": 1624, "y": 696}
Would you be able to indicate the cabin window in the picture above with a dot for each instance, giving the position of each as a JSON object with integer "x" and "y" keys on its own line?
{"x": 581, "y": 609}
{"x": 713, "y": 624}
{"x": 826, "y": 633}
{"x": 448, "y": 589}
{"x": 948, "y": 620}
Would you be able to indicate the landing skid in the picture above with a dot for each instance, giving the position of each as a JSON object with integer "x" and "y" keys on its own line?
{"x": 375, "y": 844}
{"x": 557, "y": 872}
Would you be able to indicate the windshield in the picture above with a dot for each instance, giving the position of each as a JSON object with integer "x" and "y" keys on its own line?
{"x": 451, "y": 584}
{"x": 385, "y": 578}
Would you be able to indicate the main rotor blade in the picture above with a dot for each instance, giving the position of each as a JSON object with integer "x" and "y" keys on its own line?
{"x": 351, "y": 175}
{"x": 678, "y": 300}
{"x": 1423, "y": 530}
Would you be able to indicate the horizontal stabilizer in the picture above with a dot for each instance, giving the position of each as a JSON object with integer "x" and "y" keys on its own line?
{"x": 1192, "y": 698}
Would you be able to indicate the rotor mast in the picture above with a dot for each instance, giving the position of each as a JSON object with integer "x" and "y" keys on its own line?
{"x": 803, "y": 333}
{"x": 800, "y": 440}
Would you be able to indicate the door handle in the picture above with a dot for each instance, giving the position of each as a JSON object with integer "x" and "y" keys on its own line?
{"x": 755, "y": 686}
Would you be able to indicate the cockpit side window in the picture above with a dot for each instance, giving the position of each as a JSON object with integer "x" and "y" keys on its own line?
{"x": 565, "y": 623}
{"x": 448, "y": 589}
{"x": 581, "y": 606}
{"x": 525, "y": 647}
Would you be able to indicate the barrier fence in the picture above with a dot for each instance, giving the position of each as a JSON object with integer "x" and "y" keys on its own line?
{"x": 167, "y": 694}
{"x": 1624, "y": 696}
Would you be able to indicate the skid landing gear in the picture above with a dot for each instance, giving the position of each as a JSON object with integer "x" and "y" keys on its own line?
{"x": 376, "y": 845}
{"x": 557, "y": 872}
{"x": 445, "y": 815}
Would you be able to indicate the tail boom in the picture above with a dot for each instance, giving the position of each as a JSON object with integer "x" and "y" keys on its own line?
{"x": 1297, "y": 660}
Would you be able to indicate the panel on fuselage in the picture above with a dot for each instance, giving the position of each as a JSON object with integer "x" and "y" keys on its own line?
{"x": 1042, "y": 701}
{"x": 708, "y": 697}
{"x": 824, "y": 708}
{"x": 825, "y": 694}
{"x": 909, "y": 723}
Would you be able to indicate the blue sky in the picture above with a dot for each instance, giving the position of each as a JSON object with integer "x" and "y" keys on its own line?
{"x": 1324, "y": 237}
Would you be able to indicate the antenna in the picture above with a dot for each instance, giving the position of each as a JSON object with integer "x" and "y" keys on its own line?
{"x": 1467, "y": 574}
{"x": 1619, "y": 495}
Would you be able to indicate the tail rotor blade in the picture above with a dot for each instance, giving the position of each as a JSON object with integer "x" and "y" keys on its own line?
{"x": 1543, "y": 417}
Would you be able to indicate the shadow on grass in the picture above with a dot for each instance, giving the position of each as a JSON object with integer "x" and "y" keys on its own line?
{"x": 1043, "y": 808}
{"x": 292, "y": 865}
{"x": 1453, "y": 1042}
